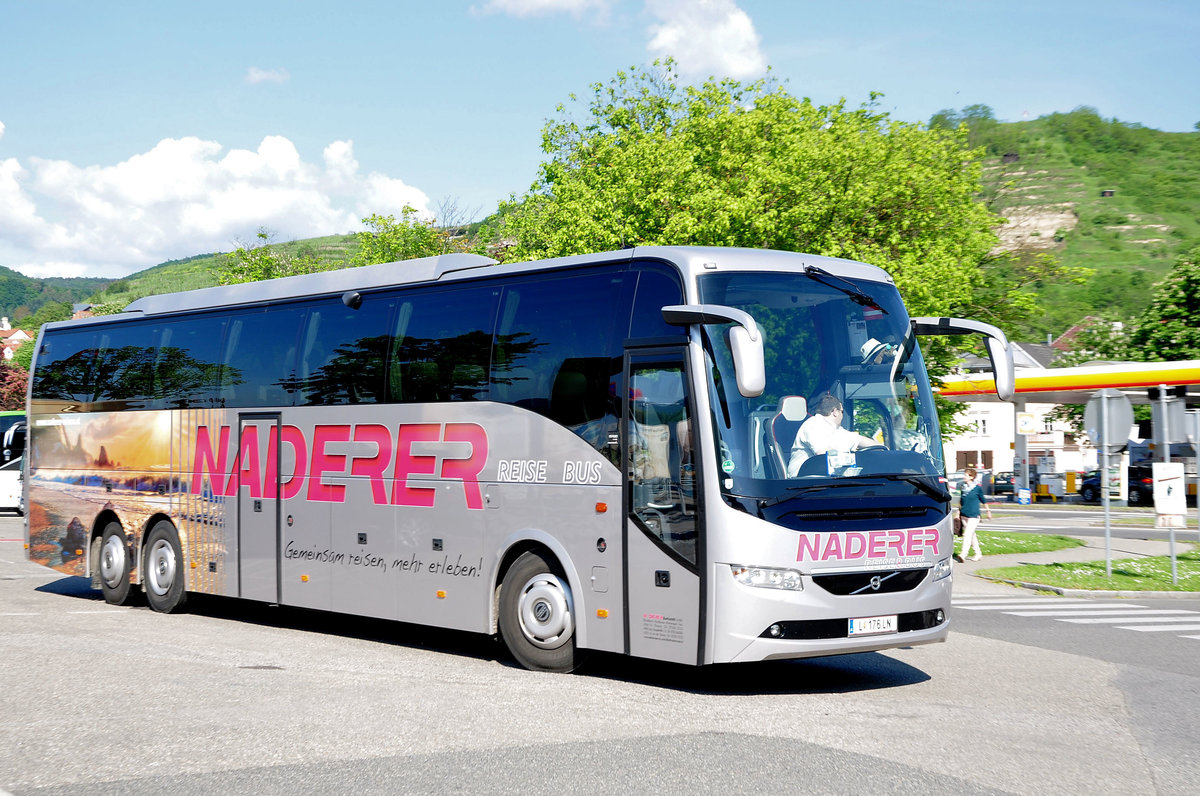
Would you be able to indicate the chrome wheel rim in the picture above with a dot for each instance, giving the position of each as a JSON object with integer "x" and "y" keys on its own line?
{"x": 112, "y": 561}
{"x": 546, "y": 612}
{"x": 161, "y": 567}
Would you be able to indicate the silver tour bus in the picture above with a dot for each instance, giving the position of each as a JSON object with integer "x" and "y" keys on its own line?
{"x": 618, "y": 452}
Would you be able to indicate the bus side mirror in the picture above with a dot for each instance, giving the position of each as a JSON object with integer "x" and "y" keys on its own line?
{"x": 749, "y": 363}
{"x": 998, "y": 349}
{"x": 745, "y": 340}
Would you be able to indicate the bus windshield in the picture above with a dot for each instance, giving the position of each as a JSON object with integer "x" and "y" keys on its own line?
{"x": 842, "y": 364}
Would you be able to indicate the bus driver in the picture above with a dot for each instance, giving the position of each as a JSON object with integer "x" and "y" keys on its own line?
{"x": 823, "y": 432}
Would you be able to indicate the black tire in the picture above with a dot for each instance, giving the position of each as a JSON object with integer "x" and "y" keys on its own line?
{"x": 537, "y": 615}
{"x": 1088, "y": 494}
{"x": 163, "y": 567}
{"x": 114, "y": 565}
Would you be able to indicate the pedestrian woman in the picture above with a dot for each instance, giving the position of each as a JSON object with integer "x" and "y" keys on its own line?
{"x": 972, "y": 501}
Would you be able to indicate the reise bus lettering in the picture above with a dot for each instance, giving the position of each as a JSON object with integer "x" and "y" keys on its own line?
{"x": 603, "y": 452}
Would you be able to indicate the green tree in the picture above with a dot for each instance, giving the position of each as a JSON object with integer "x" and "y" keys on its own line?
{"x": 728, "y": 164}
{"x": 1170, "y": 327}
{"x": 258, "y": 261}
{"x": 1009, "y": 291}
{"x": 387, "y": 240}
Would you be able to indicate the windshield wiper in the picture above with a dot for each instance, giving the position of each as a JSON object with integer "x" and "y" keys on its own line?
{"x": 791, "y": 491}
{"x": 852, "y": 290}
{"x": 918, "y": 481}
{"x": 941, "y": 495}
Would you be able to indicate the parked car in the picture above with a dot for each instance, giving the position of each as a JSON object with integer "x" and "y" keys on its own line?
{"x": 11, "y": 492}
{"x": 1089, "y": 487}
{"x": 1004, "y": 483}
{"x": 1141, "y": 485}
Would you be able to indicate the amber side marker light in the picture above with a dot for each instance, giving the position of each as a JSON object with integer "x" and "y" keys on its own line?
{"x": 602, "y": 613}
{"x": 601, "y": 508}
{"x": 441, "y": 595}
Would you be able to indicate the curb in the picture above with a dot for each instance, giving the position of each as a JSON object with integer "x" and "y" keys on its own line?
{"x": 1146, "y": 595}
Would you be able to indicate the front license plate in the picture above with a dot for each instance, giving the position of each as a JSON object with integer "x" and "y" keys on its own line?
{"x": 871, "y": 625}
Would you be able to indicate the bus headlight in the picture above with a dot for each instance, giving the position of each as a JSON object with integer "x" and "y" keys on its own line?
{"x": 768, "y": 577}
{"x": 941, "y": 569}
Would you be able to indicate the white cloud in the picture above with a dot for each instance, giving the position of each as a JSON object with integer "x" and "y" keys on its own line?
{"x": 1, "y": 129}
{"x": 184, "y": 196}
{"x": 706, "y": 37}
{"x": 534, "y": 8}
{"x": 254, "y": 75}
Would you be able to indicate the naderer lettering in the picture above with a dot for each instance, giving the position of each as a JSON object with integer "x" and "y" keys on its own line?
{"x": 462, "y": 449}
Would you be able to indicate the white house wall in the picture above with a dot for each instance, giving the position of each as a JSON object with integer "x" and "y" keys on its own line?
{"x": 999, "y": 437}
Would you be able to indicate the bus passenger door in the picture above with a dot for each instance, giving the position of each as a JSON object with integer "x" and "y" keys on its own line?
{"x": 663, "y": 524}
{"x": 257, "y": 470}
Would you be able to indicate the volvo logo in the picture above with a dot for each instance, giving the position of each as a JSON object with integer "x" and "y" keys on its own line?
{"x": 876, "y": 582}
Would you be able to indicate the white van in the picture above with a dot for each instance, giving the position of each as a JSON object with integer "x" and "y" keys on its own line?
{"x": 10, "y": 487}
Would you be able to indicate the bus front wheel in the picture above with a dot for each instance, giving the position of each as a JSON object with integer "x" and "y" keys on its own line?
{"x": 114, "y": 565}
{"x": 537, "y": 615}
{"x": 163, "y": 573}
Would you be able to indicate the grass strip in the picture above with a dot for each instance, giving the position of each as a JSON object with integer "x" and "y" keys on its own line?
{"x": 999, "y": 542}
{"x": 1150, "y": 573}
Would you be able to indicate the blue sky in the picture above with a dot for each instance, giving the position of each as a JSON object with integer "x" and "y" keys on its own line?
{"x": 136, "y": 132}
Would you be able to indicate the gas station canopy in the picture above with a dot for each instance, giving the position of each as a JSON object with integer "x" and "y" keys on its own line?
{"x": 1076, "y": 385}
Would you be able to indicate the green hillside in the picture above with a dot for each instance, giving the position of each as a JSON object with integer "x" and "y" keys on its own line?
{"x": 21, "y": 296}
{"x": 201, "y": 270}
{"x": 1117, "y": 198}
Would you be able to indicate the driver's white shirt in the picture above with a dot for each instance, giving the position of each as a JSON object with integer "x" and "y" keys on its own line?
{"x": 818, "y": 435}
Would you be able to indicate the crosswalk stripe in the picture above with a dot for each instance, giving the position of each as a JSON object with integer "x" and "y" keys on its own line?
{"x": 1116, "y": 620}
{"x": 1024, "y": 601}
{"x": 1044, "y": 607}
{"x": 1089, "y": 612}
{"x": 1082, "y": 611}
{"x": 1161, "y": 629}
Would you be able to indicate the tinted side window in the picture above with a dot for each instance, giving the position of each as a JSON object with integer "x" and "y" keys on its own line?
{"x": 258, "y": 368}
{"x": 187, "y": 362}
{"x": 558, "y": 349}
{"x": 344, "y": 352}
{"x": 64, "y": 366}
{"x": 658, "y": 286}
{"x": 124, "y": 367}
{"x": 443, "y": 345}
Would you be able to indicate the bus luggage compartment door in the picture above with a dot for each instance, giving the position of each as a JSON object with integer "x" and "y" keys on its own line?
{"x": 258, "y": 507}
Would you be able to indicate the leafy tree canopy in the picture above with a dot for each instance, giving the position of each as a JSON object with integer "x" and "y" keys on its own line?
{"x": 1170, "y": 327}
{"x": 257, "y": 261}
{"x": 387, "y": 240}
{"x": 732, "y": 164}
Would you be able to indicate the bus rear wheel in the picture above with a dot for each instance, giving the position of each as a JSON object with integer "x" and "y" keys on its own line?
{"x": 537, "y": 615}
{"x": 114, "y": 565}
{"x": 163, "y": 573}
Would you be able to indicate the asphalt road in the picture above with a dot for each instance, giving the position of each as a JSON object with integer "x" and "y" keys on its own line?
{"x": 236, "y": 697}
